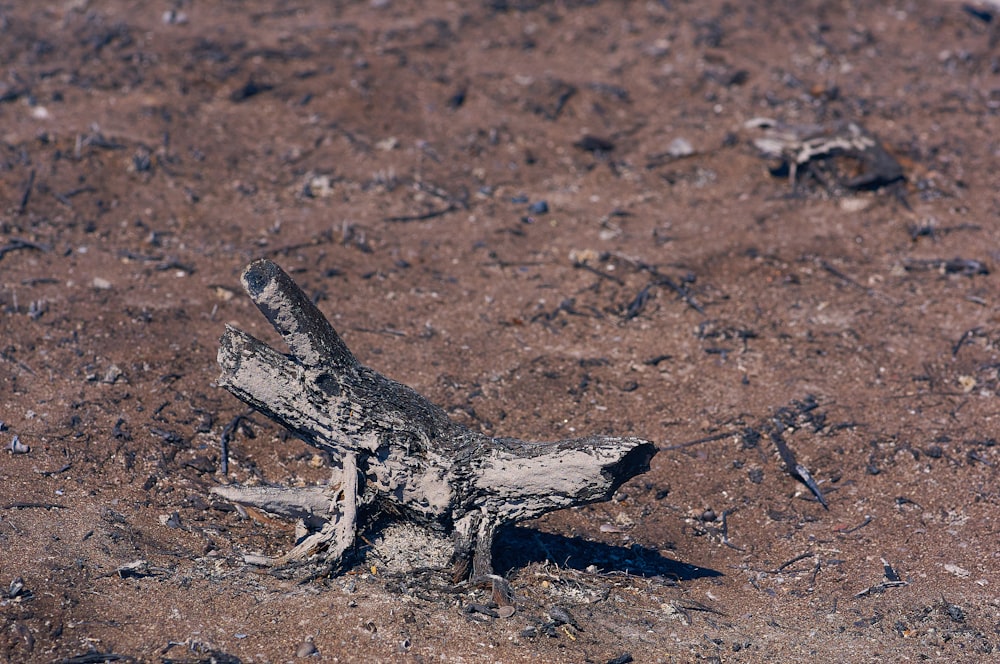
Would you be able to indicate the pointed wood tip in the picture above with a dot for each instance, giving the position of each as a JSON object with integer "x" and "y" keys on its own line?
{"x": 305, "y": 329}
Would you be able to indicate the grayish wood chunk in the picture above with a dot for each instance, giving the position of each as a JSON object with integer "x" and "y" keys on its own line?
{"x": 397, "y": 452}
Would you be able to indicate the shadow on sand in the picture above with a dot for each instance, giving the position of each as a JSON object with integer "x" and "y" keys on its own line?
{"x": 518, "y": 546}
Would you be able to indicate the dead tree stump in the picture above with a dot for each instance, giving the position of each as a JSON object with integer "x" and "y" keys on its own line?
{"x": 397, "y": 453}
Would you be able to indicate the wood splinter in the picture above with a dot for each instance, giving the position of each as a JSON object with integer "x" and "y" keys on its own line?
{"x": 398, "y": 453}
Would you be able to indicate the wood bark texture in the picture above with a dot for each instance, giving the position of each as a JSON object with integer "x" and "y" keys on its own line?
{"x": 396, "y": 452}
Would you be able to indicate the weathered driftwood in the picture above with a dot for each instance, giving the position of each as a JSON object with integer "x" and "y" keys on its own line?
{"x": 803, "y": 149}
{"x": 398, "y": 453}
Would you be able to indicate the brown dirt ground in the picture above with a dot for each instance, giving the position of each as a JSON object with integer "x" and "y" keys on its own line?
{"x": 146, "y": 157}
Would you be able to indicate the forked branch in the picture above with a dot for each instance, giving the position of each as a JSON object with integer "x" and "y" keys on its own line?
{"x": 398, "y": 453}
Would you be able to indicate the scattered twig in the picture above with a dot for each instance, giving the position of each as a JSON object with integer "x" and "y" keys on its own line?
{"x": 848, "y": 531}
{"x": 683, "y": 292}
{"x": 972, "y": 455}
{"x": 789, "y": 563}
{"x": 966, "y": 337}
{"x": 96, "y": 658}
{"x": 695, "y": 605}
{"x": 227, "y": 434}
{"x": 17, "y": 243}
{"x": 795, "y": 468}
{"x": 724, "y": 531}
{"x": 892, "y": 580}
{"x": 50, "y": 473}
{"x": 783, "y": 418}
{"x": 426, "y": 215}
{"x": 603, "y": 275}
{"x": 28, "y": 506}
{"x": 843, "y": 277}
{"x": 964, "y": 266}
{"x": 26, "y": 194}
{"x": 65, "y": 196}
{"x": 386, "y": 331}
{"x": 816, "y": 568}
{"x": 638, "y": 303}
{"x": 933, "y": 231}
{"x": 661, "y": 279}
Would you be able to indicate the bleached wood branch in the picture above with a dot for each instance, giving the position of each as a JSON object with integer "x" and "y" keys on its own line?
{"x": 399, "y": 453}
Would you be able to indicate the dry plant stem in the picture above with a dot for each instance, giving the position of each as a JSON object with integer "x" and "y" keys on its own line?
{"x": 400, "y": 454}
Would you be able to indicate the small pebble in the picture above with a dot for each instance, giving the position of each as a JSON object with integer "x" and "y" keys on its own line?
{"x": 960, "y": 572}
{"x": 538, "y": 207}
{"x": 680, "y": 147}
{"x": 956, "y": 613}
{"x": 112, "y": 375}
{"x": 595, "y": 144}
{"x": 561, "y": 616}
{"x": 17, "y": 447}
{"x": 171, "y": 520}
{"x": 306, "y": 649}
{"x": 16, "y": 588}
{"x": 174, "y": 17}
{"x": 506, "y": 611}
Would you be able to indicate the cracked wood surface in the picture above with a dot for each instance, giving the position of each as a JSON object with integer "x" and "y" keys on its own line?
{"x": 398, "y": 453}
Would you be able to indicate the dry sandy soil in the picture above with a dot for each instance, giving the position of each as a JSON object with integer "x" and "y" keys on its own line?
{"x": 394, "y": 156}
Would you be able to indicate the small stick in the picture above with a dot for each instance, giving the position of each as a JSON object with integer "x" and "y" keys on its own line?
{"x": 26, "y": 506}
{"x": 795, "y": 468}
{"x": 661, "y": 279}
{"x": 17, "y": 243}
{"x": 425, "y": 216}
{"x": 725, "y": 530}
{"x": 966, "y": 337}
{"x": 227, "y": 434}
{"x": 848, "y": 531}
{"x": 683, "y": 292}
{"x": 794, "y": 560}
{"x": 50, "y": 473}
{"x": 26, "y": 195}
{"x": 843, "y": 277}
{"x": 638, "y": 303}
{"x": 603, "y": 275}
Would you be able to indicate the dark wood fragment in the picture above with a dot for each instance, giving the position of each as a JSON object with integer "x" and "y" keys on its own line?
{"x": 26, "y": 506}
{"x": 423, "y": 216}
{"x": 594, "y": 144}
{"x": 26, "y": 194}
{"x": 795, "y": 468}
{"x": 847, "y": 531}
{"x": 17, "y": 243}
